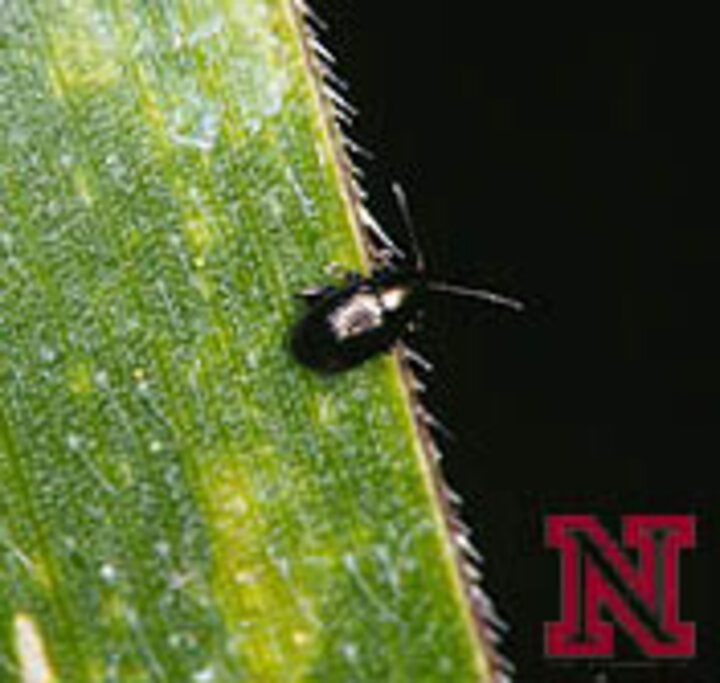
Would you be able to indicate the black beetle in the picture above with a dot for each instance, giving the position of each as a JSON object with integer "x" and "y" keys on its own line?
{"x": 348, "y": 324}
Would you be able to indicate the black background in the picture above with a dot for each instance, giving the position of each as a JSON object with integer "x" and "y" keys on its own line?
{"x": 559, "y": 167}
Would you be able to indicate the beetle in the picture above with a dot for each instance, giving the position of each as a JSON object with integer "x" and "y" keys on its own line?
{"x": 347, "y": 324}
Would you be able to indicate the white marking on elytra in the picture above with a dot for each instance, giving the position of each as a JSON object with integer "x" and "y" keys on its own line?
{"x": 30, "y": 649}
{"x": 363, "y": 312}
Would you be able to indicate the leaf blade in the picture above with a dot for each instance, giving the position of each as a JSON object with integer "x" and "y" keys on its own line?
{"x": 187, "y": 500}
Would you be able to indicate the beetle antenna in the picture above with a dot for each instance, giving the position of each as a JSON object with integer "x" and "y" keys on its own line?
{"x": 482, "y": 294}
{"x": 404, "y": 207}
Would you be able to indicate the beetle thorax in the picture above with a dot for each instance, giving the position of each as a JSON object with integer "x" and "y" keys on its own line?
{"x": 393, "y": 298}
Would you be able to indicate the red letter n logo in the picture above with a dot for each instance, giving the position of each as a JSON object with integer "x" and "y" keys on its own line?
{"x": 599, "y": 579}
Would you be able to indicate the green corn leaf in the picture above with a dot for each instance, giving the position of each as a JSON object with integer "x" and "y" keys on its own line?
{"x": 180, "y": 500}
